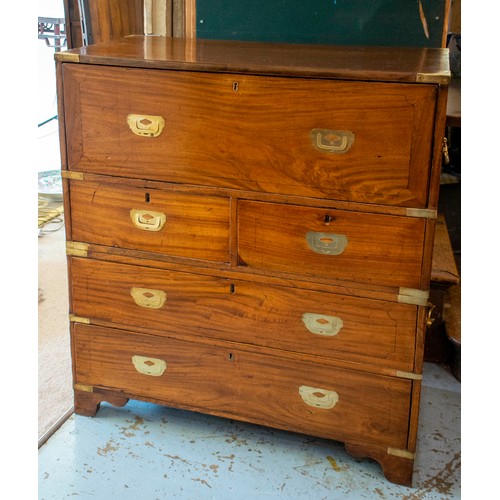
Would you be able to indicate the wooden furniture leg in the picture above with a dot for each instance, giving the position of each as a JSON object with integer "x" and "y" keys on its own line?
{"x": 397, "y": 468}
{"x": 88, "y": 403}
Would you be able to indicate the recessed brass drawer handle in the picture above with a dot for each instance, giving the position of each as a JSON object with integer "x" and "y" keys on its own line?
{"x": 326, "y": 243}
{"x": 149, "y": 366}
{"x": 149, "y": 298}
{"x": 146, "y": 125}
{"x": 332, "y": 141}
{"x": 321, "y": 324}
{"x": 318, "y": 398}
{"x": 148, "y": 220}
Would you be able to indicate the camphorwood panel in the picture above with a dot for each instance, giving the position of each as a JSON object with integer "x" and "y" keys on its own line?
{"x": 230, "y": 381}
{"x": 377, "y": 332}
{"x": 196, "y": 227}
{"x": 381, "y": 249}
{"x": 256, "y": 135}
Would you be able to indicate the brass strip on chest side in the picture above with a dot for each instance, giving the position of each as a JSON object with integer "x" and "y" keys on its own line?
{"x": 72, "y": 174}
{"x": 413, "y": 296}
{"x": 408, "y": 375}
{"x": 84, "y": 388}
{"x": 78, "y": 319}
{"x": 77, "y": 249}
{"x": 396, "y": 452}
{"x": 424, "y": 213}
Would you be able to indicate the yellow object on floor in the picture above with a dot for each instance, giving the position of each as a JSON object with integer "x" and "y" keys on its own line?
{"x": 48, "y": 210}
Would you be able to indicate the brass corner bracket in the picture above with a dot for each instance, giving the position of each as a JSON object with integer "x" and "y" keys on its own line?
{"x": 67, "y": 56}
{"x": 440, "y": 78}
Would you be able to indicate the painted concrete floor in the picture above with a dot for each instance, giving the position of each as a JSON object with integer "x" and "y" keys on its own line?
{"x": 144, "y": 451}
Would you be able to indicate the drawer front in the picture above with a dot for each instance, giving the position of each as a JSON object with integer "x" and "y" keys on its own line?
{"x": 359, "y": 141}
{"x": 368, "y": 248}
{"x": 160, "y": 221}
{"x": 223, "y": 380}
{"x": 339, "y": 327}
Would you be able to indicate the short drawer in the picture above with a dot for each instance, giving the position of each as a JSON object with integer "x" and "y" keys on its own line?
{"x": 354, "y": 246}
{"x": 228, "y": 381}
{"x": 340, "y": 327}
{"x": 153, "y": 220}
{"x": 358, "y": 141}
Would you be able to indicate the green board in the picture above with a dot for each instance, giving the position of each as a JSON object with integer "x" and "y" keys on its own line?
{"x": 403, "y": 23}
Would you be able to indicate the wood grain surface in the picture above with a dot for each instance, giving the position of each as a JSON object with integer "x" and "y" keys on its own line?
{"x": 257, "y": 137}
{"x": 195, "y": 227}
{"x": 226, "y": 380}
{"x": 377, "y": 332}
{"x": 393, "y": 64}
{"x": 380, "y": 248}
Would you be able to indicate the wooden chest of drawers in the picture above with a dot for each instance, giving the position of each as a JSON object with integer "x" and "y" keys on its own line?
{"x": 249, "y": 231}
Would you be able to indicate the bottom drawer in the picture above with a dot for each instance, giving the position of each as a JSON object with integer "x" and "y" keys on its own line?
{"x": 225, "y": 380}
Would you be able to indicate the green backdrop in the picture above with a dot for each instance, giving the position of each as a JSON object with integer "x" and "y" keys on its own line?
{"x": 401, "y": 23}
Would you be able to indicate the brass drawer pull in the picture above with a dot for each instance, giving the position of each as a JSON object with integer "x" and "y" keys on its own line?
{"x": 326, "y": 243}
{"x": 149, "y": 366}
{"x": 318, "y": 398}
{"x": 149, "y": 298}
{"x": 321, "y": 324}
{"x": 148, "y": 220}
{"x": 146, "y": 125}
{"x": 332, "y": 141}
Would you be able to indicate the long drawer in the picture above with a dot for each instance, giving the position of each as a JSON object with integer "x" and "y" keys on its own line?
{"x": 358, "y": 141}
{"x": 154, "y": 220}
{"x": 362, "y": 247}
{"x": 341, "y": 327}
{"x": 232, "y": 382}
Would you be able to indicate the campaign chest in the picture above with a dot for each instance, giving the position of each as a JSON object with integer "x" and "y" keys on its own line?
{"x": 250, "y": 230}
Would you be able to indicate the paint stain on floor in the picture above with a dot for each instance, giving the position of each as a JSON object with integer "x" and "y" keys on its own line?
{"x": 334, "y": 464}
{"x": 110, "y": 447}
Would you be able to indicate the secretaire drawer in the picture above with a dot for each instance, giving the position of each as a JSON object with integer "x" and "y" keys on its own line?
{"x": 225, "y": 380}
{"x": 153, "y": 220}
{"x": 359, "y": 141}
{"x": 362, "y": 247}
{"x": 340, "y": 327}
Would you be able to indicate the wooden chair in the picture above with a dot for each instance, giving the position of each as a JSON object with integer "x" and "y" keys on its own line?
{"x": 442, "y": 340}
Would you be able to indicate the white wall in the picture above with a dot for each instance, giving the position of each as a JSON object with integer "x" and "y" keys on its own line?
{"x": 48, "y": 140}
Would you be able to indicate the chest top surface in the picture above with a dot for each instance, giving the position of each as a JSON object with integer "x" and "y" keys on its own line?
{"x": 421, "y": 65}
